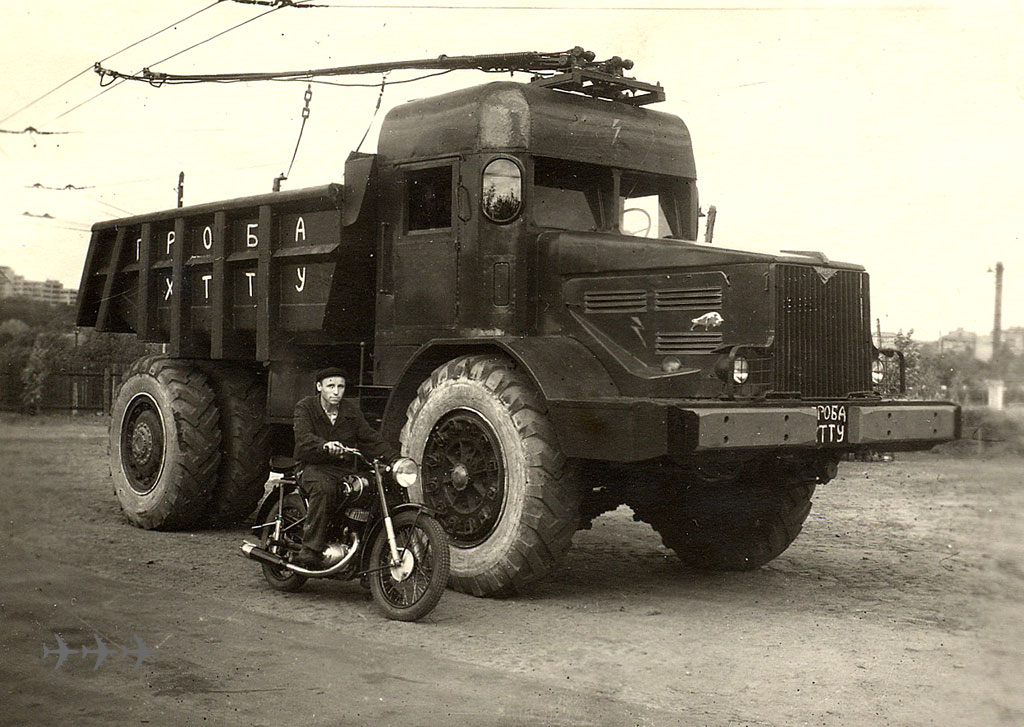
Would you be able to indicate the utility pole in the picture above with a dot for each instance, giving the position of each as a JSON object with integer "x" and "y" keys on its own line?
{"x": 181, "y": 188}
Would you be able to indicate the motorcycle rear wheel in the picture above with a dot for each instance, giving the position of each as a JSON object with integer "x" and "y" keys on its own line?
{"x": 293, "y": 510}
{"x": 411, "y": 592}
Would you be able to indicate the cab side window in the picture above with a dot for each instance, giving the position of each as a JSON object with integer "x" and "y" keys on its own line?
{"x": 429, "y": 198}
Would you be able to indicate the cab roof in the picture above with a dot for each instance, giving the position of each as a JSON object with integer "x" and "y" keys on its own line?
{"x": 517, "y": 117}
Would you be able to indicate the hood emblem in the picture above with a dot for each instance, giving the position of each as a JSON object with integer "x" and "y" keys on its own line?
{"x": 825, "y": 273}
{"x": 707, "y": 321}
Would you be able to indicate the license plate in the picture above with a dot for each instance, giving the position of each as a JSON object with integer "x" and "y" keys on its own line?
{"x": 831, "y": 424}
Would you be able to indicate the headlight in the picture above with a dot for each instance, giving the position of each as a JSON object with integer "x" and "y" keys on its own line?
{"x": 671, "y": 364}
{"x": 740, "y": 370}
{"x": 405, "y": 472}
{"x": 877, "y": 371}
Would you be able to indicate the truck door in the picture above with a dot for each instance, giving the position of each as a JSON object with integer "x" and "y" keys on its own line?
{"x": 426, "y": 246}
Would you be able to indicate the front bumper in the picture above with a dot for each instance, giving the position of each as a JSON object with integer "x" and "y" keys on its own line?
{"x": 635, "y": 429}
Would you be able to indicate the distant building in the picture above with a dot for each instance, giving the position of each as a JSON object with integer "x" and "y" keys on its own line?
{"x": 887, "y": 340}
{"x": 47, "y": 291}
{"x": 1013, "y": 340}
{"x": 959, "y": 341}
{"x": 1012, "y": 343}
{"x": 983, "y": 347}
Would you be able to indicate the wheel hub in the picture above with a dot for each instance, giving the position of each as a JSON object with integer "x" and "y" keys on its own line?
{"x": 464, "y": 476}
{"x": 142, "y": 444}
{"x": 406, "y": 565}
{"x": 460, "y": 476}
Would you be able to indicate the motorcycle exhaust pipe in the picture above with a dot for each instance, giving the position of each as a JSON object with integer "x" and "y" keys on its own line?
{"x": 251, "y": 550}
{"x": 255, "y": 552}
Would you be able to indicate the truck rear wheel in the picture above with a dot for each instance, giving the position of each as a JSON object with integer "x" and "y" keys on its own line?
{"x": 164, "y": 443}
{"x": 493, "y": 471}
{"x": 241, "y": 398}
{"x": 730, "y": 526}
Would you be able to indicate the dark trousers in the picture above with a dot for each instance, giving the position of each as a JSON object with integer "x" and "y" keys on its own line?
{"x": 322, "y": 486}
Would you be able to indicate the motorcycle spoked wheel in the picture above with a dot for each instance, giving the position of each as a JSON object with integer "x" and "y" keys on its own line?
{"x": 293, "y": 511}
{"x": 409, "y": 591}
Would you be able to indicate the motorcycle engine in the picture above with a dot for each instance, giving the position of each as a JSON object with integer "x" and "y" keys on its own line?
{"x": 333, "y": 553}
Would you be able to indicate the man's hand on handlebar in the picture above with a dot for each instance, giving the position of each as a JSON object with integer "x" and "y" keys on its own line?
{"x": 337, "y": 449}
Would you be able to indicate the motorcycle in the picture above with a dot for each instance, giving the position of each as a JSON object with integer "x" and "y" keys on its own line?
{"x": 406, "y": 563}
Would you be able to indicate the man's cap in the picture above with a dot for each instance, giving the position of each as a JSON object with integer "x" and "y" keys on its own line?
{"x": 329, "y": 372}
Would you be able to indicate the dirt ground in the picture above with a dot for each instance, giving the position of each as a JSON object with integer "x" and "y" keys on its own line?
{"x": 901, "y": 603}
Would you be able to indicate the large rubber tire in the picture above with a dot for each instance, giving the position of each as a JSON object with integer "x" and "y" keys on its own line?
{"x": 164, "y": 443}
{"x": 493, "y": 471}
{"x": 415, "y": 594}
{"x": 731, "y": 526}
{"x": 241, "y": 398}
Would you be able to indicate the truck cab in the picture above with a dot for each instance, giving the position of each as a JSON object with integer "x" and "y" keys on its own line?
{"x": 473, "y": 180}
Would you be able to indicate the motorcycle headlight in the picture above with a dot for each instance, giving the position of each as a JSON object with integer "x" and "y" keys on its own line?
{"x": 740, "y": 370}
{"x": 877, "y": 371}
{"x": 405, "y": 472}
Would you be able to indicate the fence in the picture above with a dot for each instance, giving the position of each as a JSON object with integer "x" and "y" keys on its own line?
{"x": 72, "y": 392}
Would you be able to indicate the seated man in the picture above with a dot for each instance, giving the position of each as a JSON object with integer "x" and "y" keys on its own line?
{"x": 323, "y": 423}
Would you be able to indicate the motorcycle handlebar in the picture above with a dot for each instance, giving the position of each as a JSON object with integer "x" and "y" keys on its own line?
{"x": 353, "y": 451}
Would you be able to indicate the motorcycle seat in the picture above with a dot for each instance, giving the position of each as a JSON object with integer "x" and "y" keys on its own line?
{"x": 283, "y": 465}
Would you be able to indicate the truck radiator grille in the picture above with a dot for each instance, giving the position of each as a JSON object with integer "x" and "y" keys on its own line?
{"x": 686, "y": 343}
{"x": 615, "y": 301}
{"x": 703, "y": 299}
{"x": 822, "y": 331}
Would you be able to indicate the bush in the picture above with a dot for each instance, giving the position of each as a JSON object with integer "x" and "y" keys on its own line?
{"x": 988, "y": 431}
{"x": 48, "y": 353}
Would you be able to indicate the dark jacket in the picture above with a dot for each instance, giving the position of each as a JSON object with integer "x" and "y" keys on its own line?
{"x": 313, "y": 429}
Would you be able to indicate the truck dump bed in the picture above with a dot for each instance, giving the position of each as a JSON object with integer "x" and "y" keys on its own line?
{"x": 247, "y": 278}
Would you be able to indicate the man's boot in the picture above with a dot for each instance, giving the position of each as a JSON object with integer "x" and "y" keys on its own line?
{"x": 309, "y": 559}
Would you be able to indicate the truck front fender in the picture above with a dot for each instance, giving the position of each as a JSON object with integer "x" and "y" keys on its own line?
{"x": 562, "y": 368}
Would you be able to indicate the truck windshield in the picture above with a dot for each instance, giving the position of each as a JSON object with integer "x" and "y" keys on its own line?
{"x": 571, "y": 195}
{"x": 576, "y": 196}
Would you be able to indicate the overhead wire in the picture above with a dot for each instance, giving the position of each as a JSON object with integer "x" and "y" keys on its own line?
{"x": 118, "y": 52}
{"x": 114, "y": 84}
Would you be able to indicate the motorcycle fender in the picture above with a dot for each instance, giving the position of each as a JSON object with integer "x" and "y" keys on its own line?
{"x": 268, "y": 503}
{"x": 371, "y": 534}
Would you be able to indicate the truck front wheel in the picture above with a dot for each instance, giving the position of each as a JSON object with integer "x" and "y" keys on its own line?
{"x": 493, "y": 471}
{"x": 726, "y": 526}
{"x": 164, "y": 443}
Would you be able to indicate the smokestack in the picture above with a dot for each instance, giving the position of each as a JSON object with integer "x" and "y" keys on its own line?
{"x": 997, "y": 325}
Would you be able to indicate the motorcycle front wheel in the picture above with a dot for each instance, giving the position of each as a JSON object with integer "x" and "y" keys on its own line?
{"x": 407, "y": 590}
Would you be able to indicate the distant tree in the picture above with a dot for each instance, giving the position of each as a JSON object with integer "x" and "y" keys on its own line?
{"x": 13, "y": 328}
{"x": 922, "y": 377}
{"x": 48, "y": 351}
{"x": 97, "y": 350}
{"x": 38, "y": 314}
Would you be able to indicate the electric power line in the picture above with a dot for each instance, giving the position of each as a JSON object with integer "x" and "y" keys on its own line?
{"x": 118, "y": 82}
{"x": 122, "y": 50}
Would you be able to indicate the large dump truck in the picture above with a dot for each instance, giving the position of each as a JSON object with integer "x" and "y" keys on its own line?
{"x": 513, "y": 281}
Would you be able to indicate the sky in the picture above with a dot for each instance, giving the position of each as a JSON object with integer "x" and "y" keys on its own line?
{"x": 885, "y": 134}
